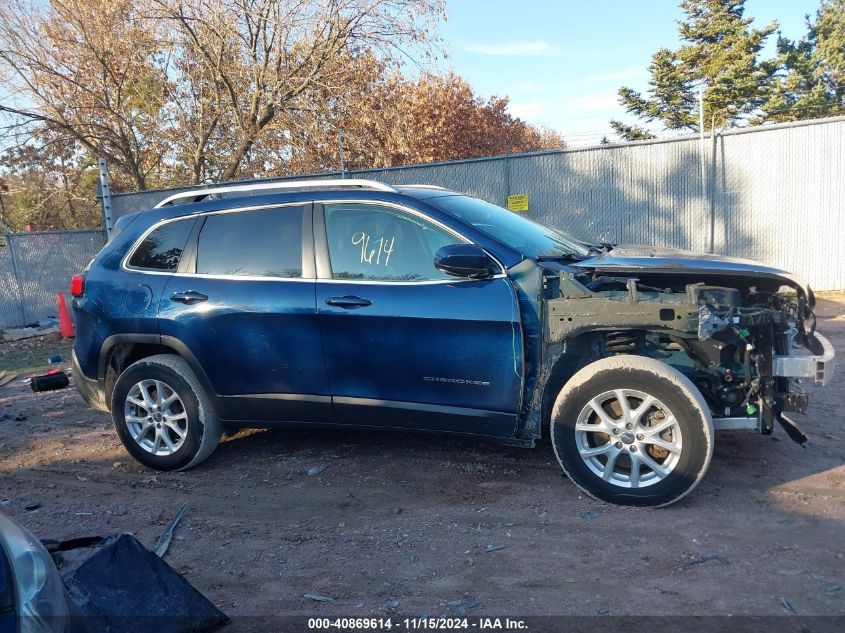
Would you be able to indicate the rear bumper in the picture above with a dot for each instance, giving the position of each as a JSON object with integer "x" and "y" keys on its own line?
{"x": 91, "y": 389}
{"x": 819, "y": 367}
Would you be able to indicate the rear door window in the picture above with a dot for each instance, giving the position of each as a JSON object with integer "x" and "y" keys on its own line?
{"x": 162, "y": 249}
{"x": 260, "y": 243}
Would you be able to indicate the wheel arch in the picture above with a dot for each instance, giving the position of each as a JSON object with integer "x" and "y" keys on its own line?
{"x": 561, "y": 365}
{"x": 121, "y": 350}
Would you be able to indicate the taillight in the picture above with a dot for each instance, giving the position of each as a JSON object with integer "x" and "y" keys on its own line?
{"x": 77, "y": 285}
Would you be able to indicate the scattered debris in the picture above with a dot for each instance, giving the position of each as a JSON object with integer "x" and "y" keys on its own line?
{"x": 788, "y": 607}
{"x": 5, "y": 502}
{"x": 469, "y": 561}
{"x": 699, "y": 560}
{"x": 55, "y": 379}
{"x": 317, "y": 597}
{"x": 119, "y": 585}
{"x": 494, "y": 548}
{"x": 32, "y": 507}
{"x": 16, "y": 334}
{"x": 590, "y": 515}
{"x": 392, "y": 603}
{"x": 6, "y": 377}
{"x": 163, "y": 541}
{"x": 18, "y": 417}
{"x": 832, "y": 589}
{"x": 316, "y": 470}
{"x": 396, "y": 510}
{"x": 55, "y": 358}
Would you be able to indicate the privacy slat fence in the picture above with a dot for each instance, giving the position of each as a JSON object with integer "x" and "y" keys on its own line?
{"x": 773, "y": 193}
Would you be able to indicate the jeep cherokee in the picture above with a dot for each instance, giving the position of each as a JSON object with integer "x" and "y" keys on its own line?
{"x": 358, "y": 304}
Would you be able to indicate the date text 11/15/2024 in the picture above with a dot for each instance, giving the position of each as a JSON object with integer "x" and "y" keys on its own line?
{"x": 416, "y": 624}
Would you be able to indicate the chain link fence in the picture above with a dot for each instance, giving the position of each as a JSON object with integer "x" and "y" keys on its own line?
{"x": 36, "y": 266}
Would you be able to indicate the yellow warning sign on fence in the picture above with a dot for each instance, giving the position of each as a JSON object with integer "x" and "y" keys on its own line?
{"x": 519, "y": 202}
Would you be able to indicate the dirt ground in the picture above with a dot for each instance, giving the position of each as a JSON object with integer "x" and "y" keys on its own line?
{"x": 401, "y": 524}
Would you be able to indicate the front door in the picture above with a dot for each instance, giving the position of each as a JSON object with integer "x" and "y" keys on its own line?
{"x": 245, "y": 309}
{"x": 407, "y": 345}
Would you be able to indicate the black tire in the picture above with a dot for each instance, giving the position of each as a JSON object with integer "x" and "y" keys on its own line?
{"x": 685, "y": 446}
{"x": 200, "y": 425}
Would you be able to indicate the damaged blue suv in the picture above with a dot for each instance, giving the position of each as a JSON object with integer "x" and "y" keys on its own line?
{"x": 354, "y": 303}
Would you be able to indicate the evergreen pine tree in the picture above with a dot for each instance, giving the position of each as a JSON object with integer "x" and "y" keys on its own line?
{"x": 811, "y": 77}
{"x": 720, "y": 48}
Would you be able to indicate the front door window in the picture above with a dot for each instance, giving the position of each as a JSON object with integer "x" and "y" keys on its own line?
{"x": 377, "y": 243}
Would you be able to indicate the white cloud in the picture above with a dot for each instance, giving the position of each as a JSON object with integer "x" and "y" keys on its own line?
{"x": 527, "y": 109}
{"x": 513, "y": 48}
{"x": 633, "y": 73}
{"x": 522, "y": 87}
{"x": 603, "y": 100}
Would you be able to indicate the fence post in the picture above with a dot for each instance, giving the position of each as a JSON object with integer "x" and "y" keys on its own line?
{"x": 10, "y": 243}
{"x": 714, "y": 136}
{"x": 105, "y": 196}
{"x": 508, "y": 175}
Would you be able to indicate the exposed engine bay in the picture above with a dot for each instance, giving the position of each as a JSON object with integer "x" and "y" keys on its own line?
{"x": 745, "y": 341}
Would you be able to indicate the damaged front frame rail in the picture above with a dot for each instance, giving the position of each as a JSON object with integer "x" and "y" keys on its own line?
{"x": 680, "y": 315}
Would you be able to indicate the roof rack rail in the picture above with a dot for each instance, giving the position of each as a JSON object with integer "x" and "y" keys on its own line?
{"x": 195, "y": 195}
{"x": 422, "y": 186}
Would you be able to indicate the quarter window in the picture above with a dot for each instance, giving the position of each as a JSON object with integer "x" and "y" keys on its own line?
{"x": 162, "y": 248}
{"x": 372, "y": 242}
{"x": 263, "y": 243}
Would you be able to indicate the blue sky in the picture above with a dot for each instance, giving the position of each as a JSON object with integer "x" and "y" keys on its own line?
{"x": 561, "y": 62}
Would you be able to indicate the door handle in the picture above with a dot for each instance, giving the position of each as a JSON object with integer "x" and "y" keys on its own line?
{"x": 349, "y": 301}
{"x": 189, "y": 297}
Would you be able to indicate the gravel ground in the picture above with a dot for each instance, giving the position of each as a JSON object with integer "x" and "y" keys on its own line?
{"x": 409, "y": 524}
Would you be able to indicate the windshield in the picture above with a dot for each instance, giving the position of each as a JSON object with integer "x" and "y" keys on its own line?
{"x": 532, "y": 239}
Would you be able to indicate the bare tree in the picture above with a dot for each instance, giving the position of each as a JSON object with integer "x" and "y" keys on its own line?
{"x": 89, "y": 71}
{"x": 184, "y": 90}
{"x": 264, "y": 56}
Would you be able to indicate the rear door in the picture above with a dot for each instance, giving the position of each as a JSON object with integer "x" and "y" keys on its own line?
{"x": 243, "y": 303}
{"x": 407, "y": 345}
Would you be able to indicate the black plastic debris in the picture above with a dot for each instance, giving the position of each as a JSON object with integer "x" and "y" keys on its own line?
{"x": 49, "y": 381}
{"x": 118, "y": 585}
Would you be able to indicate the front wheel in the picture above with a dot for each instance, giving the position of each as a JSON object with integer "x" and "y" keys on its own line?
{"x": 633, "y": 431}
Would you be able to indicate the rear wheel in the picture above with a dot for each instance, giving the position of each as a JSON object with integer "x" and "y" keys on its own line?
{"x": 162, "y": 414}
{"x": 632, "y": 430}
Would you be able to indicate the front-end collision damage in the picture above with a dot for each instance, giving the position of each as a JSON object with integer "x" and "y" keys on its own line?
{"x": 740, "y": 345}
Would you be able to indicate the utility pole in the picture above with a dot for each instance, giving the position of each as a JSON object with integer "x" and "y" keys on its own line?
{"x": 4, "y": 188}
{"x": 701, "y": 148}
{"x": 105, "y": 195}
